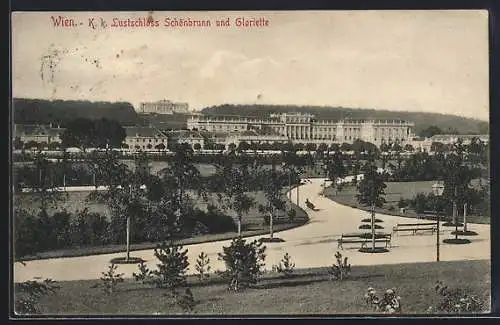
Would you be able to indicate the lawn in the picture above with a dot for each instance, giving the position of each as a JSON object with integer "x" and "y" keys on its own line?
{"x": 394, "y": 191}
{"x": 308, "y": 291}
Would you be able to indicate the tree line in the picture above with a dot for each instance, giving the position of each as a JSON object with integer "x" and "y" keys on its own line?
{"x": 147, "y": 205}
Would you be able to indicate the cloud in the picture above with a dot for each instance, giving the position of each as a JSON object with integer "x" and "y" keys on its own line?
{"x": 220, "y": 59}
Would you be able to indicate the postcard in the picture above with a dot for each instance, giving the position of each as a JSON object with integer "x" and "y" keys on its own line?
{"x": 250, "y": 163}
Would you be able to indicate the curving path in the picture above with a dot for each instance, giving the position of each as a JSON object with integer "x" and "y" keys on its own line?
{"x": 311, "y": 245}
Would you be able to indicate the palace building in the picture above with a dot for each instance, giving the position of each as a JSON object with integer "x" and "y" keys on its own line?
{"x": 302, "y": 127}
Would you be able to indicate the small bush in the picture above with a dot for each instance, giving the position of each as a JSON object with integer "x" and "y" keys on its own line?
{"x": 285, "y": 266}
{"x": 110, "y": 279}
{"x": 203, "y": 266}
{"x": 186, "y": 301}
{"x": 456, "y": 301}
{"x": 171, "y": 272}
{"x": 370, "y": 227}
{"x": 28, "y": 293}
{"x": 144, "y": 275}
{"x": 340, "y": 269}
{"x": 403, "y": 203}
{"x": 391, "y": 208}
{"x": 244, "y": 263}
{"x": 389, "y": 303}
{"x": 215, "y": 220}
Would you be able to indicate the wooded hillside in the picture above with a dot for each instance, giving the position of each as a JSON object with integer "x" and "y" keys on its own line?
{"x": 33, "y": 111}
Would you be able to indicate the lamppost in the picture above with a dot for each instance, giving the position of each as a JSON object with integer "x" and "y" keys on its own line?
{"x": 437, "y": 189}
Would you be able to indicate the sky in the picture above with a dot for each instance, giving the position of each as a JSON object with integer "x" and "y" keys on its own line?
{"x": 423, "y": 61}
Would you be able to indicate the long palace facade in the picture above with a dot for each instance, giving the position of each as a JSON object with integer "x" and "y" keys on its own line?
{"x": 303, "y": 127}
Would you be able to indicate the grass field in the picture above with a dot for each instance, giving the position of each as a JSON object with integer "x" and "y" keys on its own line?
{"x": 308, "y": 291}
{"x": 394, "y": 191}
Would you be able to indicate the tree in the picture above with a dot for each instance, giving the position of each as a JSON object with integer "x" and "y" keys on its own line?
{"x": 310, "y": 147}
{"x": 408, "y": 147}
{"x": 243, "y": 145}
{"x": 384, "y": 147}
{"x": 79, "y": 133}
{"x": 42, "y": 183}
{"x": 160, "y": 146}
{"x": 430, "y": 131}
{"x": 272, "y": 190}
{"x": 397, "y": 147}
{"x": 84, "y": 133}
{"x": 371, "y": 192}
{"x": 18, "y": 143}
{"x": 345, "y": 146}
{"x": 322, "y": 147}
{"x": 197, "y": 146}
{"x": 437, "y": 147}
{"x": 124, "y": 195}
{"x": 235, "y": 182}
{"x": 180, "y": 175}
{"x": 108, "y": 133}
{"x": 335, "y": 168}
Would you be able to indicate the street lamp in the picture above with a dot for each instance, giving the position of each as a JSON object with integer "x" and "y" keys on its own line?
{"x": 437, "y": 189}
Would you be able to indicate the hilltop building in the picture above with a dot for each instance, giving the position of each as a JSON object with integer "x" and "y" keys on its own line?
{"x": 164, "y": 107}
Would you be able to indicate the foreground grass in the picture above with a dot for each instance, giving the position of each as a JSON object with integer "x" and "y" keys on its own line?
{"x": 308, "y": 291}
{"x": 394, "y": 192}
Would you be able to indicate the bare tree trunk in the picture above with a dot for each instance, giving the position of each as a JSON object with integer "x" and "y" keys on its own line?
{"x": 373, "y": 227}
{"x": 271, "y": 224}
{"x": 298, "y": 187}
{"x": 465, "y": 217}
{"x": 239, "y": 226}
{"x": 290, "y": 186}
{"x": 128, "y": 238}
{"x": 454, "y": 213}
{"x": 454, "y": 210}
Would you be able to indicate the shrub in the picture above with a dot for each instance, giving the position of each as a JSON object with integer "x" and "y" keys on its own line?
{"x": 389, "y": 303}
{"x": 61, "y": 230}
{"x": 25, "y": 229}
{"x": 144, "y": 275}
{"x": 403, "y": 203}
{"x": 340, "y": 269}
{"x": 171, "y": 271}
{"x": 28, "y": 294}
{"x": 215, "y": 220}
{"x": 186, "y": 301}
{"x": 203, "y": 266}
{"x": 244, "y": 262}
{"x": 370, "y": 227}
{"x": 285, "y": 266}
{"x": 456, "y": 301}
{"x": 292, "y": 214}
{"x": 110, "y": 279}
{"x": 391, "y": 208}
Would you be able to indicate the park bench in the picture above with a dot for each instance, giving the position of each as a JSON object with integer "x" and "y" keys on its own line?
{"x": 355, "y": 238}
{"x": 414, "y": 227}
{"x": 428, "y": 215}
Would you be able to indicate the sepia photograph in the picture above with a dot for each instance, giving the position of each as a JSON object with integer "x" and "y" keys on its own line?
{"x": 250, "y": 163}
